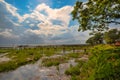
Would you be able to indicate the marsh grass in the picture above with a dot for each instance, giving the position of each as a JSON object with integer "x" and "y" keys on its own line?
{"x": 74, "y": 55}
{"x": 103, "y": 64}
{"x": 19, "y": 58}
{"x": 73, "y": 71}
{"x": 54, "y": 61}
{"x": 2, "y": 51}
{"x": 22, "y": 56}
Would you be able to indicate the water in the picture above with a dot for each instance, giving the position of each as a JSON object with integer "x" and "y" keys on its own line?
{"x": 34, "y": 72}
{"x": 38, "y": 72}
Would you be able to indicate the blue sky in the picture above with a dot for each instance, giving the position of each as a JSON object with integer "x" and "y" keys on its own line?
{"x": 24, "y": 5}
{"x": 38, "y": 22}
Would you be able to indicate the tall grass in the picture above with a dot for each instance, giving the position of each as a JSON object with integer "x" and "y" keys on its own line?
{"x": 54, "y": 61}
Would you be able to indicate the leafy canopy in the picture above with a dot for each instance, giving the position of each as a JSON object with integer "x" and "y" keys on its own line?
{"x": 111, "y": 36}
{"x": 97, "y": 38}
{"x": 96, "y": 15}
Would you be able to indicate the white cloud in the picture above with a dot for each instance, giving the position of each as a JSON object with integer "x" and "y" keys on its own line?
{"x": 27, "y": 22}
{"x": 14, "y": 23}
{"x": 62, "y": 14}
{"x": 12, "y": 10}
{"x": 46, "y": 26}
{"x": 8, "y": 34}
{"x": 51, "y": 25}
{"x": 31, "y": 25}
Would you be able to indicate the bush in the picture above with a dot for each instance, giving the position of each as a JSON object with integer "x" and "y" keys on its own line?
{"x": 103, "y": 63}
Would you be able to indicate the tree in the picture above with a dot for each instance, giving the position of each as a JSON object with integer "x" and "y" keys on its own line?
{"x": 96, "y": 15}
{"x": 111, "y": 36}
{"x": 97, "y": 38}
{"x": 90, "y": 41}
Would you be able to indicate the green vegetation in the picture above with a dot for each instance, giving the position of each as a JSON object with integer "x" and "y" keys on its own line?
{"x": 74, "y": 55}
{"x": 54, "y": 61}
{"x": 19, "y": 58}
{"x": 109, "y": 37}
{"x": 97, "y": 38}
{"x": 73, "y": 71}
{"x": 22, "y": 56}
{"x": 4, "y": 51}
{"x": 103, "y": 64}
{"x": 96, "y": 15}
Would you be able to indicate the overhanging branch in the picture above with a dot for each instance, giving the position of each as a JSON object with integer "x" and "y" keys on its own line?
{"x": 113, "y": 22}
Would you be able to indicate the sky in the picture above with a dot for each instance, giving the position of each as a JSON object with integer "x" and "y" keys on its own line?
{"x": 39, "y": 22}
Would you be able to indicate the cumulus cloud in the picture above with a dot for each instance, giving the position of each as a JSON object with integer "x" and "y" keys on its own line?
{"x": 41, "y": 26}
{"x": 8, "y": 34}
{"x": 49, "y": 21}
{"x": 31, "y": 25}
{"x": 62, "y": 14}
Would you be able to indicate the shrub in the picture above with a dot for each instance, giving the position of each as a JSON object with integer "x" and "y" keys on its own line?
{"x": 103, "y": 63}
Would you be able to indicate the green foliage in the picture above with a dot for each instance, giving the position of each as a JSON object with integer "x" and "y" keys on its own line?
{"x": 8, "y": 66}
{"x": 96, "y": 14}
{"x": 74, "y": 78}
{"x": 75, "y": 70}
{"x": 3, "y": 50}
{"x": 49, "y": 51}
{"x": 74, "y": 55}
{"x": 22, "y": 56}
{"x": 19, "y": 58}
{"x": 96, "y": 39}
{"x": 103, "y": 64}
{"x": 53, "y": 61}
{"x": 111, "y": 36}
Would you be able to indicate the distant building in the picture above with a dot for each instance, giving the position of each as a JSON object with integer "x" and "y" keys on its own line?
{"x": 117, "y": 42}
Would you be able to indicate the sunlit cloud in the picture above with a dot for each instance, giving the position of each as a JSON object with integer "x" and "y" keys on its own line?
{"x": 43, "y": 25}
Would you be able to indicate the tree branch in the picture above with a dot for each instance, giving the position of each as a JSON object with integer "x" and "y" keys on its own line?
{"x": 113, "y": 22}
